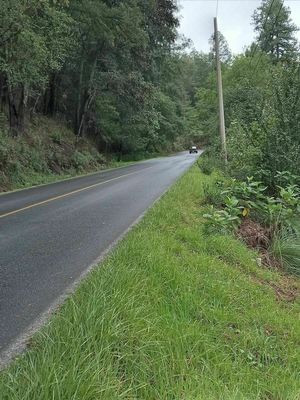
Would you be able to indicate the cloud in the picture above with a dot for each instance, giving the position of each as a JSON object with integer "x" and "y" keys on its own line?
{"x": 235, "y": 17}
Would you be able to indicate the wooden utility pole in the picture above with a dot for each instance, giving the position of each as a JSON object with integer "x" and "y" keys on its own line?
{"x": 220, "y": 94}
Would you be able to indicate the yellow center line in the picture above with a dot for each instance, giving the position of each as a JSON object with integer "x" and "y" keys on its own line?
{"x": 68, "y": 194}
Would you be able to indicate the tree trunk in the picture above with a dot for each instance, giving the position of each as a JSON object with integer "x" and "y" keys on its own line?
{"x": 2, "y": 92}
{"x": 79, "y": 106}
{"x": 88, "y": 98}
{"x": 50, "y": 96}
{"x": 16, "y": 104}
{"x": 34, "y": 107}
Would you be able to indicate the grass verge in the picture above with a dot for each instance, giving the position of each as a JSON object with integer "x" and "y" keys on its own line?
{"x": 171, "y": 314}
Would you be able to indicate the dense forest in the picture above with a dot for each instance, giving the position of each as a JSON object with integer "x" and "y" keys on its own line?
{"x": 116, "y": 74}
{"x": 109, "y": 68}
{"x": 110, "y": 71}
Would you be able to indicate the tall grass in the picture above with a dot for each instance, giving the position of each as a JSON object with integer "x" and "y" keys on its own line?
{"x": 171, "y": 314}
{"x": 286, "y": 248}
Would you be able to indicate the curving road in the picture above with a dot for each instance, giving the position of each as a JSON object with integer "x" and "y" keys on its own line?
{"x": 50, "y": 235}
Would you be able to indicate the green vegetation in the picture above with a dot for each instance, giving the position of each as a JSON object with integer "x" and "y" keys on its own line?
{"x": 141, "y": 92}
{"x": 276, "y": 31}
{"x": 183, "y": 309}
{"x": 267, "y": 223}
{"x": 286, "y": 248}
{"x": 261, "y": 96}
{"x": 173, "y": 313}
{"x": 51, "y": 152}
{"x": 110, "y": 70}
{"x": 108, "y": 77}
{"x": 259, "y": 199}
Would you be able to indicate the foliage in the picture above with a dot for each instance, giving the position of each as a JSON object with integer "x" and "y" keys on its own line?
{"x": 282, "y": 146}
{"x": 111, "y": 69}
{"x": 115, "y": 73}
{"x": 249, "y": 192}
{"x": 213, "y": 188}
{"x": 244, "y": 147}
{"x": 286, "y": 178}
{"x": 207, "y": 163}
{"x": 276, "y": 32}
{"x": 261, "y": 98}
{"x": 35, "y": 40}
{"x": 249, "y": 198}
{"x": 271, "y": 223}
{"x": 227, "y": 219}
{"x": 221, "y": 221}
{"x": 224, "y": 50}
{"x": 263, "y": 120}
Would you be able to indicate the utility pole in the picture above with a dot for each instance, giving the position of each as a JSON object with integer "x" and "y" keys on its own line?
{"x": 220, "y": 94}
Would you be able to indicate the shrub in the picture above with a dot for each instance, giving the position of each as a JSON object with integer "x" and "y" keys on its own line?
{"x": 80, "y": 160}
{"x": 57, "y": 136}
{"x": 269, "y": 210}
{"x": 290, "y": 197}
{"x": 220, "y": 221}
{"x": 286, "y": 249}
{"x": 250, "y": 192}
{"x": 286, "y": 178}
{"x": 47, "y": 148}
{"x": 212, "y": 193}
{"x": 244, "y": 149}
{"x": 209, "y": 163}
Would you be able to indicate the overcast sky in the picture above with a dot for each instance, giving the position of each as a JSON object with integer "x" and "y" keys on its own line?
{"x": 234, "y": 21}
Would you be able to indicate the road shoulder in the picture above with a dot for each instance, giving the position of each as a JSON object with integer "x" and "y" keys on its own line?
{"x": 171, "y": 313}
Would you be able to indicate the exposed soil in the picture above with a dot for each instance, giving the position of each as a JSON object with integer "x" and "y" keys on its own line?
{"x": 285, "y": 290}
{"x": 254, "y": 234}
{"x": 258, "y": 237}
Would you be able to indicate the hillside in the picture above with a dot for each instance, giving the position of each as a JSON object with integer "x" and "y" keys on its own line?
{"x": 48, "y": 152}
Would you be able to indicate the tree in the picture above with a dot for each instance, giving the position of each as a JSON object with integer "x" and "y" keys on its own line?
{"x": 196, "y": 68}
{"x": 110, "y": 68}
{"x": 276, "y": 32}
{"x": 117, "y": 66}
{"x": 282, "y": 121}
{"x": 35, "y": 39}
{"x": 225, "y": 53}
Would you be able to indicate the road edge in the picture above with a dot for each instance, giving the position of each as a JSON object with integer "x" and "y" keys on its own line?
{"x": 19, "y": 346}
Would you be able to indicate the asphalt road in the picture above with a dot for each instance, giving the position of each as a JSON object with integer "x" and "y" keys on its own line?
{"x": 50, "y": 235}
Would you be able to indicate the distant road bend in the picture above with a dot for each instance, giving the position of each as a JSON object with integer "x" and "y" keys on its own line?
{"x": 50, "y": 235}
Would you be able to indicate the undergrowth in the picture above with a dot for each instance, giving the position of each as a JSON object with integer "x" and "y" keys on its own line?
{"x": 48, "y": 151}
